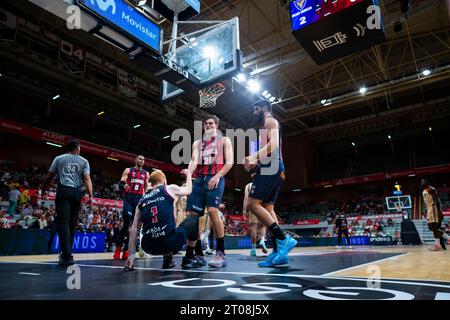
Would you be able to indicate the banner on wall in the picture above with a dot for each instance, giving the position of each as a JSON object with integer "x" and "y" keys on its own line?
{"x": 306, "y": 222}
{"x": 381, "y": 241}
{"x": 84, "y": 242}
{"x": 88, "y": 147}
{"x": 51, "y": 196}
{"x": 381, "y": 176}
{"x": 393, "y": 216}
{"x": 126, "y": 82}
{"x": 15, "y": 242}
{"x": 72, "y": 56}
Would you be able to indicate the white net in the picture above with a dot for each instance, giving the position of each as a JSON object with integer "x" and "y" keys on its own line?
{"x": 209, "y": 95}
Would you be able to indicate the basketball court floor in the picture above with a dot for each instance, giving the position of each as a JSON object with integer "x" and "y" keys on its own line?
{"x": 323, "y": 273}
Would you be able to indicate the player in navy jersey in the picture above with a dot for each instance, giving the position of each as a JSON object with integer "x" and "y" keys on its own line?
{"x": 134, "y": 183}
{"x": 212, "y": 158}
{"x": 270, "y": 174}
{"x": 156, "y": 214}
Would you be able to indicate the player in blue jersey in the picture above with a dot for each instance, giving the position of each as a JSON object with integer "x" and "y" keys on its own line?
{"x": 156, "y": 214}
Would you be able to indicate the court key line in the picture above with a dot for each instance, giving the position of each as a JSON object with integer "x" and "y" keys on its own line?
{"x": 404, "y": 282}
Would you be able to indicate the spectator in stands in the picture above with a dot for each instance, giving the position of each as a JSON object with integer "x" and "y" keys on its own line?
{"x": 27, "y": 210}
{"x": 17, "y": 225}
{"x": 42, "y": 222}
{"x": 24, "y": 197}
{"x": 390, "y": 222}
{"x": 13, "y": 196}
{"x": 4, "y": 190}
{"x": 5, "y": 177}
{"x": 35, "y": 225}
{"x": 51, "y": 223}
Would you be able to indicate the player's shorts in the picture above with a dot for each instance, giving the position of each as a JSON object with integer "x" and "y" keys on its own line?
{"x": 173, "y": 242}
{"x": 343, "y": 232}
{"x": 201, "y": 197}
{"x": 130, "y": 203}
{"x": 252, "y": 218}
{"x": 266, "y": 187}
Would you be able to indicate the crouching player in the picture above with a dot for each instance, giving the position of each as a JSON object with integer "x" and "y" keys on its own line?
{"x": 156, "y": 213}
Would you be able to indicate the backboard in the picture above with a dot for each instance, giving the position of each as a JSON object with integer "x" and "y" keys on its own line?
{"x": 396, "y": 202}
{"x": 211, "y": 57}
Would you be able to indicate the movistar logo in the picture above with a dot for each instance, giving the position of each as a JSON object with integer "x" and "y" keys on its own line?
{"x": 104, "y": 5}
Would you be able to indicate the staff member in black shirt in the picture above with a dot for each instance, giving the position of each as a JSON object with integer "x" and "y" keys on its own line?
{"x": 342, "y": 228}
{"x": 72, "y": 171}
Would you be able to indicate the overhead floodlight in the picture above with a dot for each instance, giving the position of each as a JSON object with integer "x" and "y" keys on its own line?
{"x": 254, "y": 85}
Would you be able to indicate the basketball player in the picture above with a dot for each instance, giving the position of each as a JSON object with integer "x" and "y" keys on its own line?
{"x": 134, "y": 183}
{"x": 206, "y": 236}
{"x": 342, "y": 228}
{"x": 269, "y": 176}
{"x": 72, "y": 171}
{"x": 254, "y": 223}
{"x": 210, "y": 169}
{"x": 156, "y": 213}
{"x": 434, "y": 215}
{"x": 181, "y": 208}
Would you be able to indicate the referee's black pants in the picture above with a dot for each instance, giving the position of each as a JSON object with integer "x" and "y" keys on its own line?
{"x": 345, "y": 232}
{"x": 67, "y": 205}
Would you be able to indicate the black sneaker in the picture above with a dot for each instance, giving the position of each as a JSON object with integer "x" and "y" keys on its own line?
{"x": 65, "y": 262}
{"x": 442, "y": 242}
{"x": 168, "y": 263}
{"x": 188, "y": 263}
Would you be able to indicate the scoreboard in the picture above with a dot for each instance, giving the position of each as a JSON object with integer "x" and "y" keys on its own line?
{"x": 305, "y": 12}
{"x": 331, "y": 29}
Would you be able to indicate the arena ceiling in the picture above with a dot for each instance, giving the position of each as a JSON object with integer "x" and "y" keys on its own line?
{"x": 399, "y": 97}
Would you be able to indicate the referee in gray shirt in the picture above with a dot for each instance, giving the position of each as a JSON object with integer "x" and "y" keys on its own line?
{"x": 71, "y": 171}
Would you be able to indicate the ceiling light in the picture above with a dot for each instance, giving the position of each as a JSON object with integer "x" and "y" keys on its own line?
{"x": 56, "y": 97}
{"x": 54, "y": 144}
{"x": 241, "y": 77}
{"x": 426, "y": 72}
{"x": 254, "y": 85}
{"x": 362, "y": 90}
{"x": 136, "y": 126}
{"x": 209, "y": 52}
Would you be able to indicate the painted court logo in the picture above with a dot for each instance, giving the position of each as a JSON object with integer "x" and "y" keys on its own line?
{"x": 104, "y": 5}
{"x": 300, "y": 4}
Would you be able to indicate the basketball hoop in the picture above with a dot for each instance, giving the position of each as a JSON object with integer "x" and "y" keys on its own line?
{"x": 209, "y": 95}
